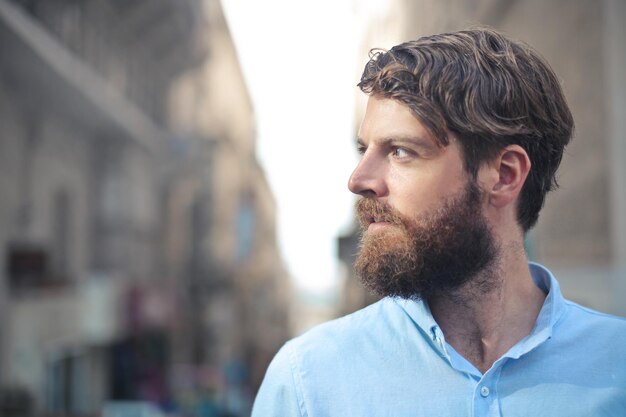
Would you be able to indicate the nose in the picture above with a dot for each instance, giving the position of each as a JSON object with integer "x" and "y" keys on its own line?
{"x": 368, "y": 179}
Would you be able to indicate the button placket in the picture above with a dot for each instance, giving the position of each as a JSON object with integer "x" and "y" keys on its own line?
{"x": 486, "y": 401}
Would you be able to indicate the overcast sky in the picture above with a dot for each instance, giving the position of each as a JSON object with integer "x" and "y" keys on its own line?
{"x": 299, "y": 60}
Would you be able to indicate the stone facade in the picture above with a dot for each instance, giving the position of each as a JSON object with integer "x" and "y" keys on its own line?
{"x": 135, "y": 221}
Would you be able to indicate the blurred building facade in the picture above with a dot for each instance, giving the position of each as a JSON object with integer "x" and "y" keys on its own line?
{"x": 139, "y": 252}
{"x": 581, "y": 233}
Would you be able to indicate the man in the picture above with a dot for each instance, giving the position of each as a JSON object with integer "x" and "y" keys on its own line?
{"x": 460, "y": 142}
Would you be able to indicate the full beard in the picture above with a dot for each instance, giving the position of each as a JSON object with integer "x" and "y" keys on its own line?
{"x": 436, "y": 254}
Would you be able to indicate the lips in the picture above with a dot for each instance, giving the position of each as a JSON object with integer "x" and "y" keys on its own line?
{"x": 377, "y": 225}
{"x": 370, "y": 211}
{"x": 372, "y": 218}
{"x": 368, "y": 218}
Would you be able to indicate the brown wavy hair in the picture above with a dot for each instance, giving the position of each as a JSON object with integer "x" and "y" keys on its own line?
{"x": 490, "y": 91}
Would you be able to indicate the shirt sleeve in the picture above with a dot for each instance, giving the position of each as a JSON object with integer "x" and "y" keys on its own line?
{"x": 278, "y": 395}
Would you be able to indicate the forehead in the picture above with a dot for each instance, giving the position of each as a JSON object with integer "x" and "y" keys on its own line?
{"x": 387, "y": 118}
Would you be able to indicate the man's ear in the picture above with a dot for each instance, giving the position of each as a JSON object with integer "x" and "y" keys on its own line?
{"x": 508, "y": 172}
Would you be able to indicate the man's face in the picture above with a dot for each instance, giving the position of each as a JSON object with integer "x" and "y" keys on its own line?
{"x": 423, "y": 226}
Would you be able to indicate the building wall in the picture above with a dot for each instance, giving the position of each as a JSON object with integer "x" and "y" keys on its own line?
{"x": 249, "y": 318}
{"x": 139, "y": 111}
{"x": 42, "y": 157}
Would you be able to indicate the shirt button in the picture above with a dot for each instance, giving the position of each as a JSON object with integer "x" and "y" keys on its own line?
{"x": 484, "y": 391}
{"x": 439, "y": 342}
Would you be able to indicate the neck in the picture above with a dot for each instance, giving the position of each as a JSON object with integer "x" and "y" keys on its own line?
{"x": 493, "y": 312}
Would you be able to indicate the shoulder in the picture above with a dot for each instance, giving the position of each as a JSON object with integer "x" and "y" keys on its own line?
{"x": 590, "y": 329}
{"x": 280, "y": 394}
{"x": 361, "y": 327}
{"x": 586, "y": 317}
{"x": 362, "y": 324}
{"x": 332, "y": 346}
{"x": 571, "y": 320}
{"x": 321, "y": 356}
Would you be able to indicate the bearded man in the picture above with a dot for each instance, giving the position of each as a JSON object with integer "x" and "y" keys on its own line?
{"x": 461, "y": 140}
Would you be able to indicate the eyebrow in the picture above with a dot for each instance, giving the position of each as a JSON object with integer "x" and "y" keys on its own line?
{"x": 411, "y": 139}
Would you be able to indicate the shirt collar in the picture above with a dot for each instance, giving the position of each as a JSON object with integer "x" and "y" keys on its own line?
{"x": 551, "y": 311}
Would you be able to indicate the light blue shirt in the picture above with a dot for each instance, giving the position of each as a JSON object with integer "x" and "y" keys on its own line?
{"x": 391, "y": 359}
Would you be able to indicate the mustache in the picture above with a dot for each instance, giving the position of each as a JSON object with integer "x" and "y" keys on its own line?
{"x": 369, "y": 210}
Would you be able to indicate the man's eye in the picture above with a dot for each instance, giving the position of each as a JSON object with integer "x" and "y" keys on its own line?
{"x": 400, "y": 153}
{"x": 361, "y": 149}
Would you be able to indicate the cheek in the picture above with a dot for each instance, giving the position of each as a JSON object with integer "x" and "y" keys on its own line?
{"x": 410, "y": 194}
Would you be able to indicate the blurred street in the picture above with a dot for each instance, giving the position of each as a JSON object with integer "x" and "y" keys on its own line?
{"x": 141, "y": 274}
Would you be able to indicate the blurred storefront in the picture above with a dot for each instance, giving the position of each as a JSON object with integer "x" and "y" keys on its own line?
{"x": 139, "y": 254}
